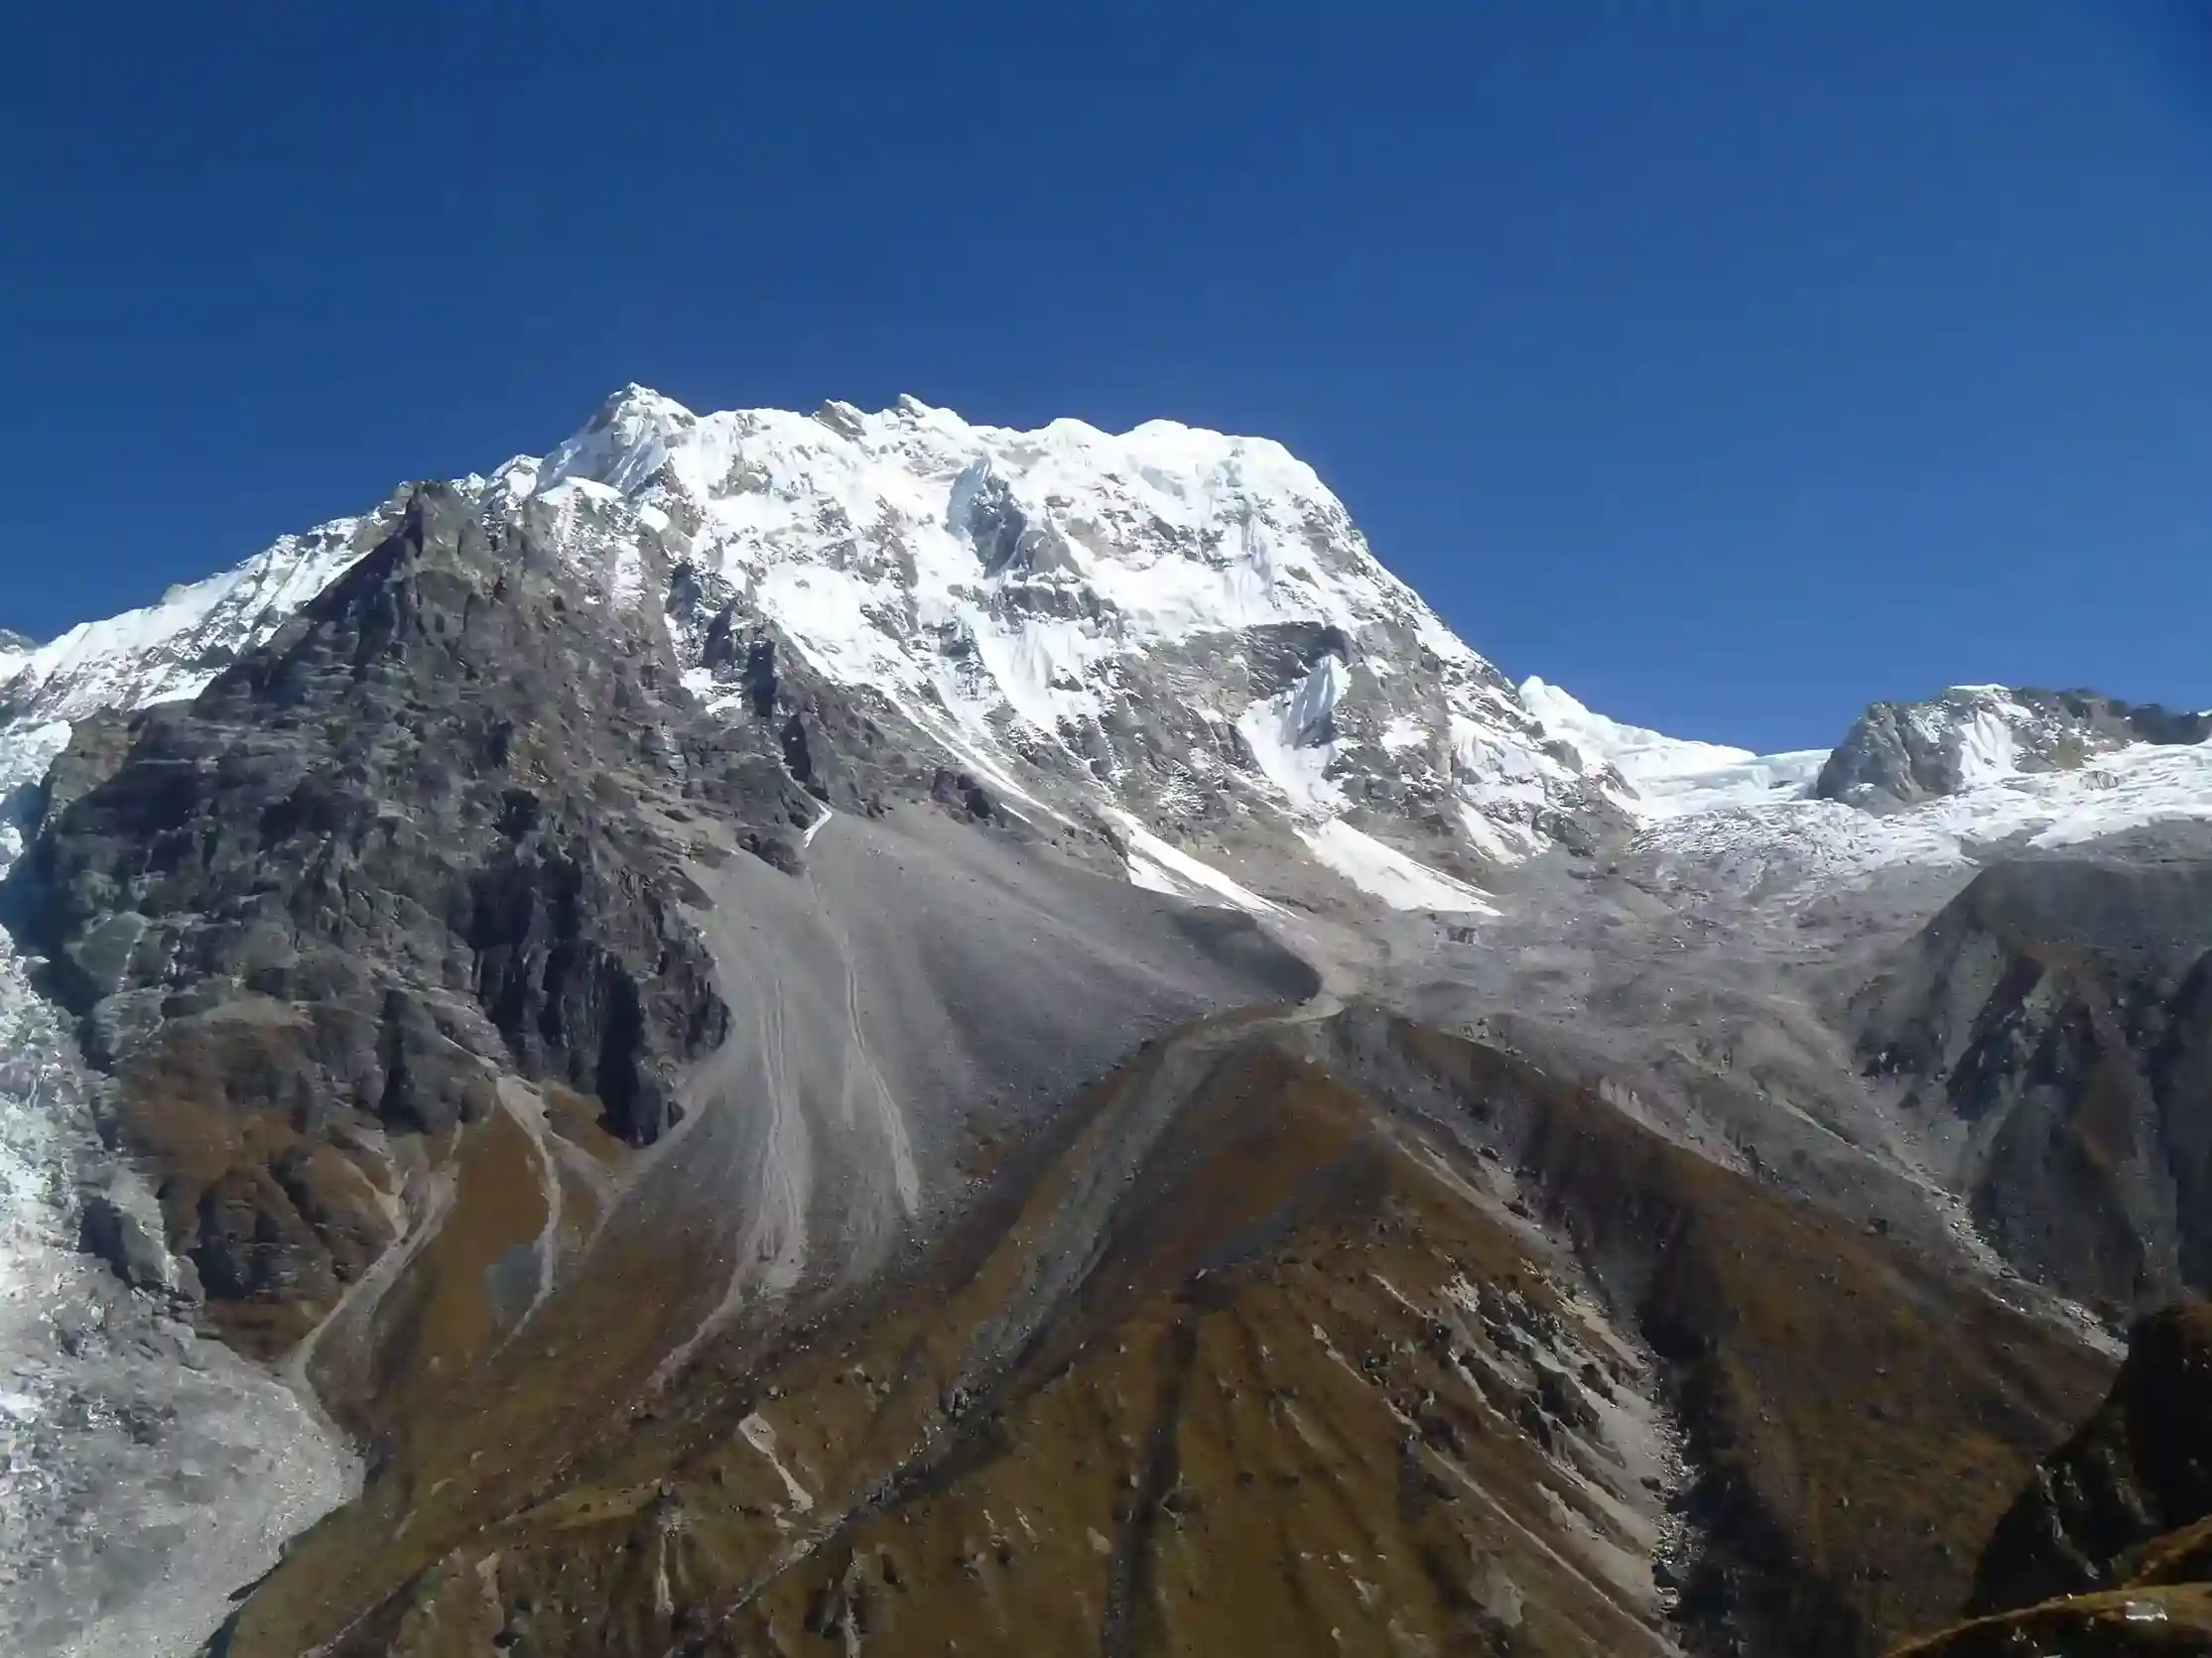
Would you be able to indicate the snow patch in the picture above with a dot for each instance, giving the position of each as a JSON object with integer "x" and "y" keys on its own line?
{"x": 1293, "y": 737}
{"x": 1157, "y": 866}
{"x": 1388, "y": 874}
{"x": 1671, "y": 776}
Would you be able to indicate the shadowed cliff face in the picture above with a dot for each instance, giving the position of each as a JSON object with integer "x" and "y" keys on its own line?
{"x": 312, "y": 917}
{"x": 2056, "y": 1020}
{"x": 2138, "y": 1470}
{"x": 1855, "y": 1417}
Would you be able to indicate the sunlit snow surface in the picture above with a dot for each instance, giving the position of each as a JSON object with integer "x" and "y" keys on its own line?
{"x": 1157, "y": 866}
{"x": 1386, "y": 874}
{"x": 1000, "y": 583}
{"x": 1814, "y": 844}
{"x": 173, "y": 649}
{"x": 1671, "y": 776}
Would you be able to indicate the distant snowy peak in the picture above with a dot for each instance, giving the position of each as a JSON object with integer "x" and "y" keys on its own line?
{"x": 1670, "y": 777}
{"x": 174, "y": 648}
{"x": 1903, "y": 753}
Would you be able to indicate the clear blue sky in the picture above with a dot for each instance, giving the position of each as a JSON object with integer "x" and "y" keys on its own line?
{"x": 1729, "y": 364}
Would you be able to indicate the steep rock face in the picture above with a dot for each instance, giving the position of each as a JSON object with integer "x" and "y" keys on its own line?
{"x": 2055, "y": 1023}
{"x": 173, "y": 649}
{"x": 387, "y": 857}
{"x": 1901, "y": 754}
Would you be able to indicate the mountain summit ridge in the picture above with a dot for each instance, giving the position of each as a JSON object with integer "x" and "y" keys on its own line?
{"x": 1171, "y": 623}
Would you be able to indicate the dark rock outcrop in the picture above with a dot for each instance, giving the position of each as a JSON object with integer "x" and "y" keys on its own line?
{"x": 414, "y": 842}
{"x": 1898, "y": 753}
{"x": 2055, "y": 1021}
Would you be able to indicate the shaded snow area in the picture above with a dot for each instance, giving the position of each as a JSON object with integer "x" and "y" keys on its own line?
{"x": 1293, "y": 737}
{"x": 1671, "y": 776}
{"x": 144, "y": 1474}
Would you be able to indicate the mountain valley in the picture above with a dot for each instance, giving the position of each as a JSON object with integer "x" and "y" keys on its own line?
{"x": 857, "y": 1034}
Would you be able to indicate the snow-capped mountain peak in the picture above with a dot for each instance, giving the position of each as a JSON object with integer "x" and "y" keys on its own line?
{"x": 1180, "y": 618}
{"x": 1169, "y": 620}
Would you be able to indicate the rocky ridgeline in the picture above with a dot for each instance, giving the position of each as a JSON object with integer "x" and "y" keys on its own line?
{"x": 383, "y": 860}
{"x": 1901, "y": 754}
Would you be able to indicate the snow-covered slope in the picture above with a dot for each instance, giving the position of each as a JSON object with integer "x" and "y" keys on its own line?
{"x": 1184, "y": 624}
{"x": 172, "y": 649}
{"x": 1670, "y": 777}
{"x": 1179, "y": 637}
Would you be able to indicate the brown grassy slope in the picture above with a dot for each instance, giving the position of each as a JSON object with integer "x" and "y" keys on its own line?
{"x": 1293, "y": 1377}
{"x": 2139, "y": 1468}
{"x": 1861, "y": 1420}
{"x": 2111, "y": 1543}
{"x": 2174, "y": 1623}
{"x": 1310, "y": 1392}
